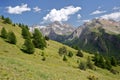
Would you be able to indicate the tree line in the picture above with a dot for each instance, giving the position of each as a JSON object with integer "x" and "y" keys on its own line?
{"x": 32, "y": 40}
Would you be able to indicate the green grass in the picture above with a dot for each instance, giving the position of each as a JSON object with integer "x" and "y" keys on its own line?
{"x": 17, "y": 65}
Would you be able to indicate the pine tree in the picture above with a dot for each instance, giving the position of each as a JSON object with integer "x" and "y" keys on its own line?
{"x": 25, "y": 33}
{"x": 113, "y": 61}
{"x": 11, "y": 38}
{"x": 3, "y": 33}
{"x": 96, "y": 59}
{"x": 28, "y": 46}
{"x": 47, "y": 38}
{"x": 79, "y": 53}
{"x": 14, "y": 24}
{"x": 108, "y": 64}
{"x": 64, "y": 58}
{"x": 70, "y": 54}
{"x": 20, "y": 25}
{"x": 2, "y": 17}
{"x": 26, "y": 27}
{"x": 101, "y": 62}
{"x": 89, "y": 63}
{"x": 7, "y": 20}
{"x": 38, "y": 39}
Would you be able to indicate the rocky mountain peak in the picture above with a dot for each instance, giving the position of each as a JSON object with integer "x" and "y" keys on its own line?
{"x": 97, "y": 35}
{"x": 55, "y": 28}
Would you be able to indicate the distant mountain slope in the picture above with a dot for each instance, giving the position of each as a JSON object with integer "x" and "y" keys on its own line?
{"x": 98, "y": 35}
{"x": 55, "y": 30}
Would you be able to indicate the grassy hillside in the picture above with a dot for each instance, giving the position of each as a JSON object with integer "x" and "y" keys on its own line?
{"x": 17, "y": 65}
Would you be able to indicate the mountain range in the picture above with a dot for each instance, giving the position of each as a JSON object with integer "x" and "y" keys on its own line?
{"x": 55, "y": 31}
{"x": 97, "y": 35}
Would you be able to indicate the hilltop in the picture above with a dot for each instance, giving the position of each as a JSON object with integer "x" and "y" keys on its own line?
{"x": 17, "y": 65}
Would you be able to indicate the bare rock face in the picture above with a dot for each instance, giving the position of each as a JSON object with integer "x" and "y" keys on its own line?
{"x": 55, "y": 29}
{"x": 98, "y": 35}
{"x": 109, "y": 26}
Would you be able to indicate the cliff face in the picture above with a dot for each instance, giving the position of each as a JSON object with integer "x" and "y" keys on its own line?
{"x": 97, "y": 36}
{"x": 56, "y": 31}
{"x": 104, "y": 43}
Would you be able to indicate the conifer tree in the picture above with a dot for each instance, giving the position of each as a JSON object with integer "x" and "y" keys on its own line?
{"x": 3, "y": 33}
{"x": 96, "y": 59}
{"x": 2, "y": 17}
{"x": 79, "y": 53}
{"x": 64, "y": 58}
{"x": 7, "y": 20}
{"x": 113, "y": 61}
{"x": 25, "y": 33}
{"x": 89, "y": 63}
{"x": 47, "y": 38}
{"x": 70, "y": 54}
{"x": 38, "y": 39}
{"x": 108, "y": 64}
{"x": 20, "y": 25}
{"x": 11, "y": 38}
{"x": 28, "y": 46}
{"x": 101, "y": 62}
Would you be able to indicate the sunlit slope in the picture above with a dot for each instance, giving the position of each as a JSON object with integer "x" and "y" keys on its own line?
{"x": 17, "y": 65}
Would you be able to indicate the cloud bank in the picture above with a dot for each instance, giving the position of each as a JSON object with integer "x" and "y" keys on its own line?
{"x": 61, "y": 15}
{"x": 114, "y": 16}
{"x": 36, "y": 9}
{"x": 18, "y": 9}
{"x": 97, "y": 12}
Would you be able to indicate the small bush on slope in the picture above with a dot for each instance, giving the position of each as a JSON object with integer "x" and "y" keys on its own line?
{"x": 79, "y": 53}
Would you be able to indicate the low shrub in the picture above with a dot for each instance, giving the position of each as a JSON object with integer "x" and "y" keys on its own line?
{"x": 82, "y": 66}
{"x": 44, "y": 58}
{"x": 114, "y": 71}
{"x": 90, "y": 77}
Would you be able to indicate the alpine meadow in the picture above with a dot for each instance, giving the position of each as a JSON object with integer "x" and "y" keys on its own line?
{"x": 61, "y": 40}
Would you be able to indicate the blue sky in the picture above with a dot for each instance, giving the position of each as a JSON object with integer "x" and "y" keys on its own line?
{"x": 74, "y": 12}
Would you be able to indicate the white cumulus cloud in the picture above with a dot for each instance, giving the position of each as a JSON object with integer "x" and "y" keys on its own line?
{"x": 61, "y": 15}
{"x": 18, "y": 9}
{"x": 99, "y": 7}
{"x": 78, "y": 16}
{"x": 36, "y": 9}
{"x": 116, "y": 8}
{"x": 97, "y": 12}
{"x": 87, "y": 20}
{"x": 114, "y": 16}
